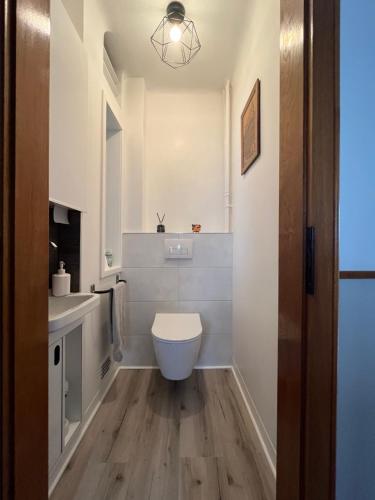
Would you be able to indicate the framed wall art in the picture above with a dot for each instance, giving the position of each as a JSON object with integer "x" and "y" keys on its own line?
{"x": 250, "y": 129}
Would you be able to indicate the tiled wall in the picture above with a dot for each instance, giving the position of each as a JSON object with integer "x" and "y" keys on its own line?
{"x": 202, "y": 284}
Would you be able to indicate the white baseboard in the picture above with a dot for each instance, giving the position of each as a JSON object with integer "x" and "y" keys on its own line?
{"x": 264, "y": 439}
{"x": 96, "y": 405}
{"x": 198, "y": 367}
{"x": 213, "y": 367}
{"x": 135, "y": 367}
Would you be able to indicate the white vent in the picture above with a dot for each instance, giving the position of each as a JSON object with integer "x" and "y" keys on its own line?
{"x": 110, "y": 74}
{"x": 106, "y": 365}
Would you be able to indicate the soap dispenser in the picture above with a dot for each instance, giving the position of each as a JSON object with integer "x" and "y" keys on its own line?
{"x": 61, "y": 281}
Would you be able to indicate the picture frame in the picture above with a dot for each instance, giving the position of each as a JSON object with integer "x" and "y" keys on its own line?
{"x": 250, "y": 129}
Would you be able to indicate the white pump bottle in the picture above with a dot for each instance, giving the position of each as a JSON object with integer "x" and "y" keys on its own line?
{"x": 61, "y": 281}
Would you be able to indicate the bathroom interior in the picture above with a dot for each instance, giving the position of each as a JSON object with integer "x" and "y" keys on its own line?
{"x": 164, "y": 250}
{"x": 186, "y": 265}
{"x": 163, "y": 253}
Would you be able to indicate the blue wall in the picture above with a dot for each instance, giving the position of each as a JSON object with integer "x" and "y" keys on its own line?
{"x": 356, "y": 350}
{"x": 357, "y": 135}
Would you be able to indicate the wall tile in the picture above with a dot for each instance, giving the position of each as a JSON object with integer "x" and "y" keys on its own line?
{"x": 146, "y": 250}
{"x": 155, "y": 284}
{"x": 140, "y": 315}
{"x": 205, "y": 284}
{"x": 216, "y": 350}
{"x": 216, "y": 316}
{"x": 139, "y": 351}
{"x": 210, "y": 250}
{"x": 152, "y": 284}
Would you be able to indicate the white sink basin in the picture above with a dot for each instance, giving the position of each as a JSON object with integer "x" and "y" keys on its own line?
{"x": 62, "y": 311}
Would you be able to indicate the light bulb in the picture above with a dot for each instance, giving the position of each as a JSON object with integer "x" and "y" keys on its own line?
{"x": 175, "y": 34}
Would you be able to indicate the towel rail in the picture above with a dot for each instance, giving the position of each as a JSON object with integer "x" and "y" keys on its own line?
{"x": 110, "y": 291}
{"x": 99, "y": 292}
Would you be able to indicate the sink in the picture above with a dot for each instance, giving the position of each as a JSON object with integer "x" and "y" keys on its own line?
{"x": 62, "y": 311}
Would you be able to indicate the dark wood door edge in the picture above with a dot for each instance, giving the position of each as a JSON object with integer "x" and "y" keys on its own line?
{"x": 24, "y": 73}
{"x": 322, "y": 213}
{"x": 309, "y": 135}
{"x": 357, "y": 275}
{"x": 292, "y": 221}
{"x": 6, "y": 251}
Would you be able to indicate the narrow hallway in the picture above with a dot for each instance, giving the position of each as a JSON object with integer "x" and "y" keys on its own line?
{"x": 157, "y": 439}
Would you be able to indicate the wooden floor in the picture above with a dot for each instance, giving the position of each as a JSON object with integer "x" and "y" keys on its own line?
{"x": 161, "y": 440}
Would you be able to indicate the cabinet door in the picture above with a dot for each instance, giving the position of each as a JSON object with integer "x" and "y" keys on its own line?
{"x": 55, "y": 394}
{"x": 68, "y": 111}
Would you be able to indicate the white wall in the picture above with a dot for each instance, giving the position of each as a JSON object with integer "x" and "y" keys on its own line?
{"x": 134, "y": 112}
{"x": 184, "y": 160}
{"x": 174, "y": 158}
{"x": 77, "y": 84}
{"x": 96, "y": 345}
{"x": 75, "y": 10}
{"x": 255, "y": 220}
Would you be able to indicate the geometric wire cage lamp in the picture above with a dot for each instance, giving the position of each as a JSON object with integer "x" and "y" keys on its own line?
{"x": 176, "y": 39}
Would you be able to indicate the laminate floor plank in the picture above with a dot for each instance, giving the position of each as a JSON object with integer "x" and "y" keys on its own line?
{"x": 160, "y": 440}
{"x": 199, "y": 479}
{"x": 93, "y": 446}
{"x": 156, "y": 464}
{"x": 240, "y": 438}
{"x": 199, "y": 434}
{"x": 104, "y": 481}
{"x": 211, "y": 478}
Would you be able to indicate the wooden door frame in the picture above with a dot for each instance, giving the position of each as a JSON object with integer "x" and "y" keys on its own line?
{"x": 309, "y": 134}
{"x": 24, "y": 124}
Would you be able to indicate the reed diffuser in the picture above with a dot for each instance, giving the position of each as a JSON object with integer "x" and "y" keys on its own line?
{"x": 160, "y": 228}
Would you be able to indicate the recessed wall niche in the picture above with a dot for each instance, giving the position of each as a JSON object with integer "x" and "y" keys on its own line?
{"x": 111, "y": 254}
{"x": 67, "y": 237}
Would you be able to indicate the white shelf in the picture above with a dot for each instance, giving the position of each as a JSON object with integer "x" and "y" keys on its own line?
{"x": 109, "y": 271}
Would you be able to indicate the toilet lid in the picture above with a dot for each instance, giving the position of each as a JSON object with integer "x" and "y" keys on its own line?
{"x": 177, "y": 327}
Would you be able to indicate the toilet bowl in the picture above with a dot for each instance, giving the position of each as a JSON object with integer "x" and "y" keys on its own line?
{"x": 177, "y": 341}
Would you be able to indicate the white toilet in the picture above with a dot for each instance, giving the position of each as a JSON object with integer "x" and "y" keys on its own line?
{"x": 177, "y": 341}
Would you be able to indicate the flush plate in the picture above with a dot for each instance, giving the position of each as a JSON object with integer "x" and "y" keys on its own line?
{"x": 178, "y": 249}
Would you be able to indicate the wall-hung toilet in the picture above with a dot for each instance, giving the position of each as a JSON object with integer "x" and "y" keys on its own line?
{"x": 177, "y": 341}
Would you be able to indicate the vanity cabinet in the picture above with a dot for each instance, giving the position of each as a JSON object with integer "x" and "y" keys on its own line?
{"x": 78, "y": 353}
{"x": 55, "y": 384}
{"x": 65, "y": 392}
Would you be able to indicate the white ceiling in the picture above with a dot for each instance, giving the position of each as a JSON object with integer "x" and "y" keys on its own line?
{"x": 219, "y": 24}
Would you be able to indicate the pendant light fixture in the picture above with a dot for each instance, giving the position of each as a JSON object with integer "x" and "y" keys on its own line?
{"x": 176, "y": 39}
